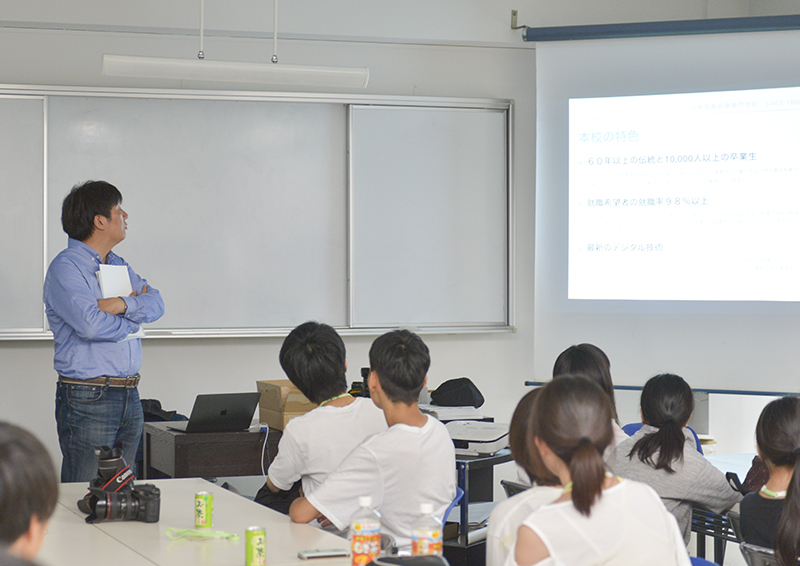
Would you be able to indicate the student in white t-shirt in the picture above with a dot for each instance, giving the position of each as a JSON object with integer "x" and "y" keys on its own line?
{"x": 314, "y": 444}
{"x": 508, "y": 515}
{"x": 410, "y": 463}
{"x": 599, "y": 518}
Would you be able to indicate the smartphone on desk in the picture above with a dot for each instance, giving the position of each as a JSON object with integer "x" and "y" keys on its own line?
{"x": 322, "y": 553}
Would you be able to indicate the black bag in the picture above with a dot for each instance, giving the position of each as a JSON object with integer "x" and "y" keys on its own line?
{"x": 458, "y": 392}
{"x": 279, "y": 501}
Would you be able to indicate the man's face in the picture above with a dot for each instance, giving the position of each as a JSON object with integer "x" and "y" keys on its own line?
{"x": 118, "y": 225}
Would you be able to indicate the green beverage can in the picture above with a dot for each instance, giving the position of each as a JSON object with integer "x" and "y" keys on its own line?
{"x": 203, "y": 508}
{"x": 255, "y": 546}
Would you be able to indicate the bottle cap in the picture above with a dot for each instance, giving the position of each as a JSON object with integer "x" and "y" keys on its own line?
{"x": 365, "y": 501}
{"x": 426, "y": 508}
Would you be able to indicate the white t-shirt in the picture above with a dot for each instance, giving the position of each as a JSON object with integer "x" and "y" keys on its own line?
{"x": 400, "y": 468}
{"x": 508, "y": 515}
{"x": 627, "y": 525}
{"x": 314, "y": 444}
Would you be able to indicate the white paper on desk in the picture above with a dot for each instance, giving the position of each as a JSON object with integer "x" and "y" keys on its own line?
{"x": 134, "y": 335}
{"x": 477, "y": 513}
{"x": 114, "y": 281}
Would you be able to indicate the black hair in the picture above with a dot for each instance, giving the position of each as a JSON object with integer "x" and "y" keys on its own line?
{"x": 83, "y": 203}
{"x": 573, "y": 418}
{"x": 589, "y": 361}
{"x": 521, "y": 432}
{"x": 667, "y": 403}
{"x": 313, "y": 357}
{"x": 778, "y": 438}
{"x": 28, "y": 484}
{"x": 401, "y": 359}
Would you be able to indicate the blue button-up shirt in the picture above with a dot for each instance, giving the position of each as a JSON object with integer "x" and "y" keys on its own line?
{"x": 88, "y": 341}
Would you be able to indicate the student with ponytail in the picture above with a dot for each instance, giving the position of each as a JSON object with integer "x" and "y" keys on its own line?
{"x": 663, "y": 455}
{"x": 508, "y": 515}
{"x": 598, "y": 518}
{"x": 771, "y": 517}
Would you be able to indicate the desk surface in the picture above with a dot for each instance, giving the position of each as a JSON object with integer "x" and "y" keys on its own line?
{"x": 739, "y": 463}
{"x": 135, "y": 543}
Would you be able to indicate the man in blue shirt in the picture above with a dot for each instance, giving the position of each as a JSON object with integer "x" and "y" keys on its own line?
{"x": 98, "y": 350}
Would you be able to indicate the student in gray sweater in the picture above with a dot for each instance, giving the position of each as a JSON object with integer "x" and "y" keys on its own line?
{"x": 663, "y": 455}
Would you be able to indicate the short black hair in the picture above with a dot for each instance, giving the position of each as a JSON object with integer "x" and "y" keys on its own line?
{"x": 401, "y": 359}
{"x": 83, "y": 203}
{"x": 28, "y": 484}
{"x": 313, "y": 357}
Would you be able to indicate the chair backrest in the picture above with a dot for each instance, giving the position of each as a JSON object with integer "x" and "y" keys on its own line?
{"x": 456, "y": 499}
{"x": 512, "y": 488}
{"x": 632, "y": 428}
{"x": 701, "y": 561}
{"x": 758, "y": 555}
{"x": 735, "y": 520}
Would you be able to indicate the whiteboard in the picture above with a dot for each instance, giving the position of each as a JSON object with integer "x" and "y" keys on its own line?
{"x": 430, "y": 202}
{"x": 236, "y": 209}
{"x": 21, "y": 213}
{"x": 252, "y": 213}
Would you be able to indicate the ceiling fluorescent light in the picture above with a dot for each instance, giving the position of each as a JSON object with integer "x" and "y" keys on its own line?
{"x": 234, "y": 72}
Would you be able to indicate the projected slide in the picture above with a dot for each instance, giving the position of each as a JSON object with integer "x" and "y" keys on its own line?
{"x": 685, "y": 196}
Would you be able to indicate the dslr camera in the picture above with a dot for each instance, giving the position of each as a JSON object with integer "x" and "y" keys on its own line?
{"x": 112, "y": 494}
{"x": 141, "y": 503}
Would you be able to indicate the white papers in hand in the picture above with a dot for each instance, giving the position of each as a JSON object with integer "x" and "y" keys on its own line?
{"x": 134, "y": 335}
{"x": 114, "y": 281}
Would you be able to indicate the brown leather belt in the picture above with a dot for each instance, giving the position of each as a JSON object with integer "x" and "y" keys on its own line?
{"x": 126, "y": 382}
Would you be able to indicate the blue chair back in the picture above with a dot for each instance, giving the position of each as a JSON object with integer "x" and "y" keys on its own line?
{"x": 701, "y": 561}
{"x": 632, "y": 428}
{"x": 456, "y": 499}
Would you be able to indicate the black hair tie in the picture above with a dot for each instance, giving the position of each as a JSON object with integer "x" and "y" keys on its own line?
{"x": 583, "y": 439}
{"x": 669, "y": 420}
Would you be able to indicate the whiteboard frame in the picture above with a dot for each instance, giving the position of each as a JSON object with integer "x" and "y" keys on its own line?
{"x": 504, "y": 105}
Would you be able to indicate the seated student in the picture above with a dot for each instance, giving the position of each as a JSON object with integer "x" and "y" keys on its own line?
{"x": 508, "y": 515}
{"x": 587, "y": 360}
{"x": 663, "y": 454}
{"x": 28, "y": 491}
{"x": 598, "y": 519}
{"x": 410, "y": 463}
{"x": 771, "y": 517}
{"x": 314, "y": 444}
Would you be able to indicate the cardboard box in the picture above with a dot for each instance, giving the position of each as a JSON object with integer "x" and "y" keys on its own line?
{"x": 280, "y": 402}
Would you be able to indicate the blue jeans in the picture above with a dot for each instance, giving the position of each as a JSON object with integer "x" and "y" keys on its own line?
{"x": 88, "y": 416}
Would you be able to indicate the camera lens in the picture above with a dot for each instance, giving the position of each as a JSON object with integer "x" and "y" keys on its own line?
{"x": 117, "y": 507}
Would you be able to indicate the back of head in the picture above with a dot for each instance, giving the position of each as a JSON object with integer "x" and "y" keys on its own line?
{"x": 521, "y": 432}
{"x": 778, "y": 438}
{"x": 28, "y": 484}
{"x": 574, "y": 420}
{"x": 313, "y": 357}
{"x": 401, "y": 360}
{"x": 587, "y": 360}
{"x": 83, "y": 203}
{"x": 667, "y": 403}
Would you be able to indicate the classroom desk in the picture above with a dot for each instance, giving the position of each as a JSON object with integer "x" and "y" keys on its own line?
{"x": 132, "y": 543}
{"x": 705, "y": 523}
{"x": 476, "y": 478}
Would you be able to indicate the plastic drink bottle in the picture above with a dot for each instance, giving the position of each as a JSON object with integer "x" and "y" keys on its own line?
{"x": 365, "y": 533}
{"x": 426, "y": 534}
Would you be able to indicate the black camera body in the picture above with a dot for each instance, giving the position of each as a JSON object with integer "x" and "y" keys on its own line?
{"x": 141, "y": 503}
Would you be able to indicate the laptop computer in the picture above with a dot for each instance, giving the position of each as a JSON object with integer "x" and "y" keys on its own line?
{"x": 220, "y": 412}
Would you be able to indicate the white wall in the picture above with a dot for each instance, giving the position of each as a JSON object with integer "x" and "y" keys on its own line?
{"x": 458, "y": 48}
